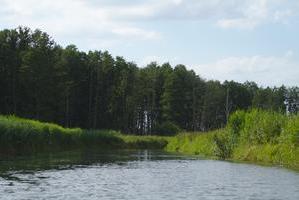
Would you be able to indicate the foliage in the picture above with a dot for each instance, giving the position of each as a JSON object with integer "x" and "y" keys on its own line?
{"x": 223, "y": 146}
{"x": 194, "y": 143}
{"x": 290, "y": 132}
{"x": 261, "y": 127}
{"x": 255, "y": 136}
{"x": 18, "y": 135}
{"x": 145, "y": 142}
{"x": 94, "y": 90}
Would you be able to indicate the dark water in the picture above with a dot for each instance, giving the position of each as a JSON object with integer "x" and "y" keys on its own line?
{"x": 140, "y": 175}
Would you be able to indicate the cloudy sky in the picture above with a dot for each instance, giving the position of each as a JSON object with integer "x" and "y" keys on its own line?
{"x": 237, "y": 40}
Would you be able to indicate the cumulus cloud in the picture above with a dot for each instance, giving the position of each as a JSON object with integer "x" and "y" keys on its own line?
{"x": 242, "y": 23}
{"x": 135, "y": 32}
{"x": 245, "y": 14}
{"x": 113, "y": 22}
{"x": 258, "y": 12}
{"x": 110, "y": 14}
{"x": 72, "y": 18}
{"x": 265, "y": 70}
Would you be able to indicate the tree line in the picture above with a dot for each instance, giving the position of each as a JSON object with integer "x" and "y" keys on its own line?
{"x": 41, "y": 80}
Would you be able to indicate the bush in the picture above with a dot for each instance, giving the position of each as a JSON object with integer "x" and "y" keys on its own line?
{"x": 290, "y": 133}
{"x": 255, "y": 136}
{"x": 261, "y": 127}
{"x": 223, "y": 146}
{"x": 235, "y": 124}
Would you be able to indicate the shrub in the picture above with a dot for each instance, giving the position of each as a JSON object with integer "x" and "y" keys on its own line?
{"x": 261, "y": 127}
{"x": 290, "y": 133}
{"x": 223, "y": 146}
{"x": 235, "y": 124}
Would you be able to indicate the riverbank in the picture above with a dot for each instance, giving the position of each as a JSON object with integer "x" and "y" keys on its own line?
{"x": 255, "y": 136}
{"x": 24, "y": 136}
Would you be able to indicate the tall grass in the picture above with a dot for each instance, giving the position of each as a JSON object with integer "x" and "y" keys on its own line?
{"x": 19, "y": 135}
{"x": 255, "y": 136}
{"x": 194, "y": 143}
{"x": 145, "y": 142}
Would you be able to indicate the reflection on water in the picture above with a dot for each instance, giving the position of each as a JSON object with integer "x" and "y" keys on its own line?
{"x": 140, "y": 175}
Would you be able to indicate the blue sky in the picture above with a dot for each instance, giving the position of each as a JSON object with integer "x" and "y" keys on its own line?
{"x": 239, "y": 40}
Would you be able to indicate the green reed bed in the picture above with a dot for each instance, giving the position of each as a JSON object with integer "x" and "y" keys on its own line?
{"x": 18, "y": 136}
{"x": 145, "y": 142}
{"x": 254, "y": 136}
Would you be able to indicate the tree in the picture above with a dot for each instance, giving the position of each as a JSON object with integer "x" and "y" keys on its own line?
{"x": 42, "y": 80}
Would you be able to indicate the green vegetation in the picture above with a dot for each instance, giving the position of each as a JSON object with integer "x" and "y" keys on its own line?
{"x": 145, "y": 142}
{"x": 19, "y": 136}
{"x": 193, "y": 143}
{"x": 95, "y": 91}
{"x": 254, "y": 136}
{"x": 41, "y": 80}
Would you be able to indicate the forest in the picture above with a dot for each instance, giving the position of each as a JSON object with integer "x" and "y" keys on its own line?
{"x": 41, "y": 80}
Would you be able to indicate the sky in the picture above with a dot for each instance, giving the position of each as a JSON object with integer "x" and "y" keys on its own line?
{"x": 240, "y": 40}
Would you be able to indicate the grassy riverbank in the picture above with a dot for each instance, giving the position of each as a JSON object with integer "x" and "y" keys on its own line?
{"x": 255, "y": 136}
{"x": 21, "y": 136}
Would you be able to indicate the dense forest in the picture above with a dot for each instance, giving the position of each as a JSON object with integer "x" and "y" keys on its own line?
{"x": 94, "y": 90}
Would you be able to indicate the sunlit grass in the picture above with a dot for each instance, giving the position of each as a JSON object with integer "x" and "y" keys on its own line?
{"x": 254, "y": 136}
{"x": 19, "y": 135}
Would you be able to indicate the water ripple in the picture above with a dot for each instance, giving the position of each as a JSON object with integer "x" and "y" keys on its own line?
{"x": 161, "y": 177}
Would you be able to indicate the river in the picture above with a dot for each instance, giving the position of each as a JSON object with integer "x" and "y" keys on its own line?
{"x": 144, "y": 175}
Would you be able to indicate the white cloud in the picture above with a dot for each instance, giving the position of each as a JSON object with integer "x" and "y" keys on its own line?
{"x": 258, "y": 12}
{"x": 283, "y": 15}
{"x": 227, "y": 14}
{"x": 242, "y": 23}
{"x": 265, "y": 70}
{"x": 112, "y": 22}
{"x": 245, "y": 14}
{"x": 71, "y": 18}
{"x": 135, "y": 32}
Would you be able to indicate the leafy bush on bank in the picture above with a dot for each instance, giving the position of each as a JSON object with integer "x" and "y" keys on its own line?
{"x": 255, "y": 136}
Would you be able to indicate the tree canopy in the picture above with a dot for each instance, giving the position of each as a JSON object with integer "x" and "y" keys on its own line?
{"x": 94, "y": 90}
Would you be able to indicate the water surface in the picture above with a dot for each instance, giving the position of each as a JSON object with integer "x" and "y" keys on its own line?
{"x": 131, "y": 175}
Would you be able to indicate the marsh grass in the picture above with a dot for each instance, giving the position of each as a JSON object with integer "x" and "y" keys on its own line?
{"x": 254, "y": 136}
{"x": 22, "y": 136}
{"x": 194, "y": 143}
{"x": 145, "y": 142}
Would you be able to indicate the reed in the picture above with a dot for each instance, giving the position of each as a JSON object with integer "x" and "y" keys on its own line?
{"x": 18, "y": 136}
{"x": 255, "y": 136}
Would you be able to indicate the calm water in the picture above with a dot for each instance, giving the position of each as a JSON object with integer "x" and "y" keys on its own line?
{"x": 141, "y": 175}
